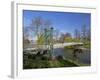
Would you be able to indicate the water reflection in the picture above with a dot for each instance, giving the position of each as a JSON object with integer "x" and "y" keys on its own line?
{"x": 83, "y": 57}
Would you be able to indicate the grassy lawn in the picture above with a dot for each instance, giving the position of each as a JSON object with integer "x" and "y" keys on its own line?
{"x": 30, "y": 63}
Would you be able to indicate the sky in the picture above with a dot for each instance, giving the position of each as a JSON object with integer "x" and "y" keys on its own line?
{"x": 62, "y": 21}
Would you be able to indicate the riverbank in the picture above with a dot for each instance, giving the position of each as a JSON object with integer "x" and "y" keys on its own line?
{"x": 34, "y": 62}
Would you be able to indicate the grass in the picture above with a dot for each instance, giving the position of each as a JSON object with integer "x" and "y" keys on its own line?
{"x": 48, "y": 64}
{"x": 77, "y": 63}
{"x": 87, "y": 44}
{"x": 30, "y": 63}
{"x": 69, "y": 47}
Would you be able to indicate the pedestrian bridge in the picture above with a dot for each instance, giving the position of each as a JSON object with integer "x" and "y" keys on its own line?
{"x": 61, "y": 45}
{"x": 57, "y": 45}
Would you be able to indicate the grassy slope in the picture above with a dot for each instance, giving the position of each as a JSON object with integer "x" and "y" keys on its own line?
{"x": 39, "y": 63}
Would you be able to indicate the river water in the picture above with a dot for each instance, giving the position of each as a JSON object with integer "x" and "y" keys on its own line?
{"x": 83, "y": 58}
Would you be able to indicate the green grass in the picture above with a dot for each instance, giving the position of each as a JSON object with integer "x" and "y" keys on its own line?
{"x": 48, "y": 64}
{"x": 87, "y": 46}
{"x": 69, "y": 47}
{"x": 77, "y": 63}
{"x": 29, "y": 63}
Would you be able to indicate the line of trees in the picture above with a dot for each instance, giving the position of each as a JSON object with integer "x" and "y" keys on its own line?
{"x": 38, "y": 26}
{"x": 82, "y": 35}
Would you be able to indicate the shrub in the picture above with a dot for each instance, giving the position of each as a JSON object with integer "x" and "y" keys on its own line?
{"x": 59, "y": 57}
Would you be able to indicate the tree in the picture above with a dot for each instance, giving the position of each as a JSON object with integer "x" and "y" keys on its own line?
{"x": 47, "y": 24}
{"x": 41, "y": 39}
{"x": 36, "y": 25}
{"x": 62, "y": 38}
{"x": 56, "y": 35}
{"x": 68, "y": 35}
{"x": 88, "y": 34}
{"x": 84, "y": 32}
{"x": 77, "y": 34}
{"x": 26, "y": 37}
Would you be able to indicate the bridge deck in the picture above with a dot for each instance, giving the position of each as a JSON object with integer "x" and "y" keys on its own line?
{"x": 58, "y": 45}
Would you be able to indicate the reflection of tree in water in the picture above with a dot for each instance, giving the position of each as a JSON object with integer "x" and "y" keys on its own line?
{"x": 75, "y": 53}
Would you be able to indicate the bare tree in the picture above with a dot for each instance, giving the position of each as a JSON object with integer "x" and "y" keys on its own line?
{"x": 47, "y": 24}
{"x": 84, "y": 32}
{"x": 56, "y": 35}
{"x": 36, "y": 25}
{"x": 88, "y": 34}
{"x": 26, "y": 37}
{"x": 77, "y": 34}
{"x": 62, "y": 38}
{"x": 67, "y": 34}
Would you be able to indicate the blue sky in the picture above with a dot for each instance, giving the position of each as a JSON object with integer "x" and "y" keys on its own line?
{"x": 62, "y": 21}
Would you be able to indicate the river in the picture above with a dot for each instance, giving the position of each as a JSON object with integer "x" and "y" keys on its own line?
{"x": 82, "y": 58}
